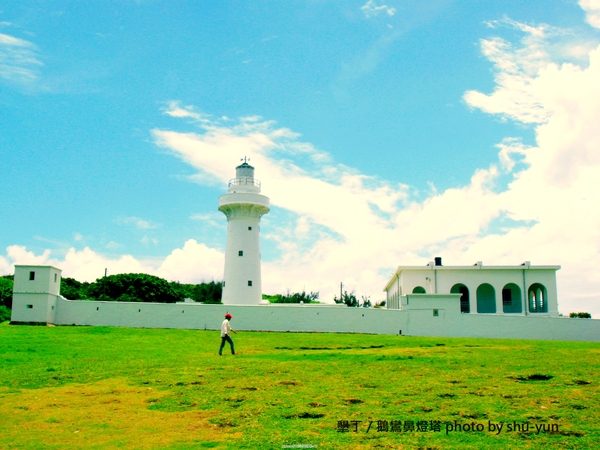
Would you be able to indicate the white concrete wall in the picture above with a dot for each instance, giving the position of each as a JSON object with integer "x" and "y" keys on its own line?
{"x": 434, "y": 316}
{"x": 210, "y": 317}
{"x": 421, "y": 315}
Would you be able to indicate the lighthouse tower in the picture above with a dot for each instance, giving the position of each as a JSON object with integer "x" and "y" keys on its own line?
{"x": 243, "y": 206}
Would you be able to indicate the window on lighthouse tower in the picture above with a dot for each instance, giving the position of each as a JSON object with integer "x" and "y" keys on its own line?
{"x": 241, "y": 253}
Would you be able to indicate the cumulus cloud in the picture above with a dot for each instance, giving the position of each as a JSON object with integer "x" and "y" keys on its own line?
{"x": 84, "y": 265}
{"x": 592, "y": 11}
{"x": 191, "y": 264}
{"x": 19, "y": 60}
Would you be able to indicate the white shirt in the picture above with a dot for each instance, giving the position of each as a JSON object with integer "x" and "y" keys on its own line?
{"x": 225, "y": 328}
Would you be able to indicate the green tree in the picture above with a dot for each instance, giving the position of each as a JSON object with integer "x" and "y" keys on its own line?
{"x": 208, "y": 292}
{"x": 134, "y": 287}
{"x": 203, "y": 292}
{"x": 366, "y": 302}
{"x": 4, "y": 314}
{"x": 348, "y": 299}
{"x": 72, "y": 289}
{"x": 6, "y": 291}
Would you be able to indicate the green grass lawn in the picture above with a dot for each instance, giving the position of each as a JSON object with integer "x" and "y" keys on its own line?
{"x": 97, "y": 387}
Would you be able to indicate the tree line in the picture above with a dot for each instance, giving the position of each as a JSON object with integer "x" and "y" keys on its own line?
{"x": 140, "y": 287}
{"x": 349, "y": 299}
{"x": 296, "y": 297}
{"x": 6, "y": 290}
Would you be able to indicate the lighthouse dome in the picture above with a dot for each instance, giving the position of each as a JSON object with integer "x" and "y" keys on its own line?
{"x": 244, "y": 170}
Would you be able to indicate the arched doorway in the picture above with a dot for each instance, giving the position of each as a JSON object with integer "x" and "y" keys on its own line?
{"x": 511, "y": 299}
{"x": 486, "y": 299}
{"x": 538, "y": 298}
{"x": 419, "y": 290}
{"x": 465, "y": 306}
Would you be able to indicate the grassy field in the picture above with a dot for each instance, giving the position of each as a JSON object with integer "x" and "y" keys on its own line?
{"x": 96, "y": 387}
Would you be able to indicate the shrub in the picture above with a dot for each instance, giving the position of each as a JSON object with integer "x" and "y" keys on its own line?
{"x": 581, "y": 315}
{"x": 4, "y": 314}
{"x": 296, "y": 297}
{"x": 6, "y": 288}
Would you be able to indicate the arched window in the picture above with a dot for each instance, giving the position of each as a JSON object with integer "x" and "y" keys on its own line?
{"x": 418, "y": 290}
{"x": 465, "y": 306}
{"x": 538, "y": 298}
{"x": 486, "y": 299}
{"x": 511, "y": 299}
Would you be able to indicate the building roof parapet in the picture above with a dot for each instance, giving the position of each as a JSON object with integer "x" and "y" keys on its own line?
{"x": 477, "y": 266}
{"x": 43, "y": 266}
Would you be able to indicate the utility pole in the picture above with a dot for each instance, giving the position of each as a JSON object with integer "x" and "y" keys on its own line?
{"x": 104, "y": 283}
{"x": 341, "y": 298}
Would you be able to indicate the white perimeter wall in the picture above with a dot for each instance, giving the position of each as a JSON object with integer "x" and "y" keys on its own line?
{"x": 418, "y": 320}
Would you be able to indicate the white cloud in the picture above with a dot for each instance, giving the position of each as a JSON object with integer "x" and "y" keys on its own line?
{"x": 19, "y": 61}
{"x": 20, "y": 254}
{"x": 592, "y": 11}
{"x": 520, "y": 92}
{"x": 84, "y": 265}
{"x": 370, "y": 9}
{"x": 191, "y": 264}
{"x": 174, "y": 109}
{"x": 6, "y": 268}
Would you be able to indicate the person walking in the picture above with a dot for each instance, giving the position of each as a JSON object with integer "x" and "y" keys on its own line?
{"x": 225, "y": 331}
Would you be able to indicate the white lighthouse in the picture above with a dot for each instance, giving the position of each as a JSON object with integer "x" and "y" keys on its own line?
{"x": 243, "y": 206}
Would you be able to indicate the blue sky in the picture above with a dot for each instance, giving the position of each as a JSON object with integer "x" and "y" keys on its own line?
{"x": 385, "y": 133}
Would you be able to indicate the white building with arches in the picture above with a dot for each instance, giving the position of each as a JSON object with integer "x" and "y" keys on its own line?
{"x": 500, "y": 290}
